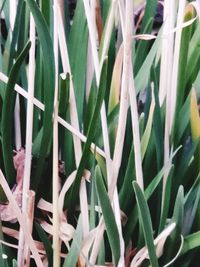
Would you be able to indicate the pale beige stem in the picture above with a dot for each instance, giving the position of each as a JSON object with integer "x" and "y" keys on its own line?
{"x": 30, "y": 217}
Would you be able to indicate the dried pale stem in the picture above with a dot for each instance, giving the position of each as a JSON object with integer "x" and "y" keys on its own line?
{"x": 21, "y": 219}
{"x": 166, "y": 76}
{"x": 30, "y": 217}
{"x": 98, "y": 66}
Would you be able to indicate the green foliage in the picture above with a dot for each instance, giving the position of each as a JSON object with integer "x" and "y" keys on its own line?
{"x": 7, "y": 114}
{"x": 109, "y": 219}
{"x": 82, "y": 123}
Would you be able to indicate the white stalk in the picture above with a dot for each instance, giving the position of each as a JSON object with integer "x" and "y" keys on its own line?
{"x": 29, "y": 130}
{"x": 75, "y": 123}
{"x": 12, "y": 12}
{"x": 84, "y": 207}
{"x": 174, "y": 80}
{"x": 136, "y": 134}
{"x": 67, "y": 69}
{"x": 166, "y": 74}
{"x": 98, "y": 67}
{"x": 21, "y": 219}
{"x": 124, "y": 101}
{"x": 127, "y": 72}
{"x": 166, "y": 50}
{"x": 30, "y": 218}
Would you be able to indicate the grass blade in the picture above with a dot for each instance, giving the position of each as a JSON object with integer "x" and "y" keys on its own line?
{"x": 14, "y": 263}
{"x": 49, "y": 83}
{"x": 91, "y": 134}
{"x": 145, "y": 220}
{"x": 108, "y": 215}
{"x": 7, "y": 113}
{"x": 190, "y": 242}
{"x": 78, "y": 41}
{"x": 142, "y": 77}
{"x": 46, "y": 242}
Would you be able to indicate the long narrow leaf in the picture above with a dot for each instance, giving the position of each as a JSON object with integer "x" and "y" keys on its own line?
{"x": 145, "y": 220}
{"x": 7, "y": 113}
{"x": 190, "y": 242}
{"x": 91, "y": 134}
{"x": 49, "y": 83}
{"x": 108, "y": 215}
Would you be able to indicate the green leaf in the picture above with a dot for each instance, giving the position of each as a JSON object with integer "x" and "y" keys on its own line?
{"x": 93, "y": 203}
{"x": 191, "y": 206}
{"x": 15, "y": 34}
{"x": 158, "y": 122}
{"x": 179, "y": 208}
{"x": 3, "y": 262}
{"x": 2, "y": 6}
{"x": 147, "y": 132}
{"x": 64, "y": 95}
{"x": 46, "y": 9}
{"x": 182, "y": 121}
{"x": 167, "y": 199}
{"x": 145, "y": 220}
{"x": 126, "y": 190}
{"x": 14, "y": 263}
{"x": 142, "y": 48}
{"x": 108, "y": 215}
{"x": 90, "y": 106}
{"x": 49, "y": 83}
{"x": 190, "y": 242}
{"x": 192, "y": 68}
{"x": 146, "y": 27}
{"x": 187, "y": 153}
{"x": 133, "y": 218}
{"x": 150, "y": 10}
{"x": 90, "y": 136}
{"x": 7, "y": 115}
{"x": 185, "y": 40}
{"x": 78, "y": 44}
{"x": 65, "y": 137}
{"x": 173, "y": 241}
{"x": 142, "y": 77}
{"x": 46, "y": 242}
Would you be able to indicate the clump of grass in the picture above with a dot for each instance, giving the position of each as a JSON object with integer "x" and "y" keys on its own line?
{"x": 100, "y": 130}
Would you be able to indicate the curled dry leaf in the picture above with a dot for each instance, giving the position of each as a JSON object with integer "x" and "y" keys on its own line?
{"x": 18, "y": 160}
{"x": 6, "y": 212}
{"x": 15, "y": 234}
{"x": 66, "y": 230}
{"x": 159, "y": 242}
